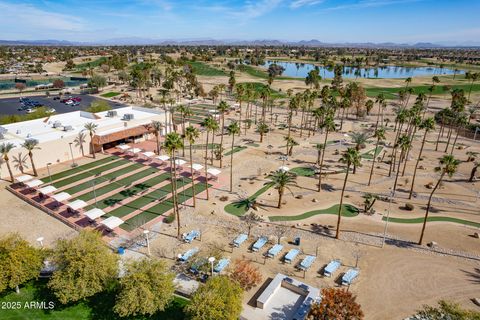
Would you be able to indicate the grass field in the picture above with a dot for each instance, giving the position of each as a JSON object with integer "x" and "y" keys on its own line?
{"x": 433, "y": 219}
{"x": 110, "y": 94}
{"x": 347, "y": 211}
{"x": 91, "y": 64}
{"x": 79, "y": 169}
{"x": 303, "y": 171}
{"x": 203, "y": 69}
{"x": 98, "y": 307}
{"x": 392, "y": 93}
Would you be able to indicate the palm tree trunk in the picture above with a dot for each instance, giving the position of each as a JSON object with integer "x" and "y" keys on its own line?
{"x": 373, "y": 163}
{"x": 231, "y": 163}
{"x": 212, "y": 149}
{"x": 321, "y": 163}
{"x": 280, "y": 195}
{"x": 7, "y": 162}
{"x": 398, "y": 172}
{"x": 473, "y": 172}
{"x": 91, "y": 145}
{"x": 449, "y": 135}
{"x": 341, "y": 203}
{"x": 221, "y": 140}
{"x": 191, "y": 173}
{"x": 428, "y": 209}
{"x": 174, "y": 193}
{"x": 206, "y": 164}
{"x": 416, "y": 165}
{"x": 158, "y": 142}
{"x": 455, "y": 141}
{"x": 33, "y": 164}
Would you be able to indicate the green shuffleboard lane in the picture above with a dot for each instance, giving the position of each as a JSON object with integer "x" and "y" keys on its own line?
{"x": 79, "y": 169}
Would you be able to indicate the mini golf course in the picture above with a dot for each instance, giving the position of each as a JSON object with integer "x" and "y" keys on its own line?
{"x": 347, "y": 211}
{"x": 433, "y": 219}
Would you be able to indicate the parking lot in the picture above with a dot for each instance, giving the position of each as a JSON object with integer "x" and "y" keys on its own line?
{"x": 9, "y": 106}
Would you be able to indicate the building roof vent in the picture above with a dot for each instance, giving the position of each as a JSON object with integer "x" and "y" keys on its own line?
{"x": 67, "y": 128}
{"x": 57, "y": 124}
{"x": 111, "y": 113}
{"x": 127, "y": 116}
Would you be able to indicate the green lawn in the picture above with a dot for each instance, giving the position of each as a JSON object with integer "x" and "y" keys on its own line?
{"x": 369, "y": 153}
{"x": 110, "y": 94}
{"x": 239, "y": 208}
{"x": 432, "y": 219}
{"x": 303, "y": 171}
{"x": 78, "y": 169}
{"x": 203, "y": 69}
{"x": 256, "y": 72}
{"x": 91, "y": 64}
{"x": 235, "y": 150}
{"x": 392, "y": 93}
{"x": 98, "y": 307}
{"x": 347, "y": 211}
{"x": 258, "y": 87}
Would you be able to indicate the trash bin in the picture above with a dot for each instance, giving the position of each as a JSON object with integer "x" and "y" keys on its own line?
{"x": 121, "y": 250}
{"x": 297, "y": 241}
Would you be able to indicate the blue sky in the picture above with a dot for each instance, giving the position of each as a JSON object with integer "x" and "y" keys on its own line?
{"x": 452, "y": 21}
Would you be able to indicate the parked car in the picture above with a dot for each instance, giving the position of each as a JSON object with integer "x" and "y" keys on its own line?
{"x": 56, "y": 98}
{"x": 30, "y": 110}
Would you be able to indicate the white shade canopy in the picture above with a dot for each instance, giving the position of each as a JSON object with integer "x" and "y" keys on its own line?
{"x": 180, "y": 162}
{"x": 149, "y": 154}
{"x": 112, "y": 222}
{"x": 77, "y": 204}
{"x": 123, "y": 147}
{"x": 284, "y": 168}
{"x": 196, "y": 166}
{"x": 213, "y": 171}
{"x": 62, "y": 196}
{"x": 24, "y": 178}
{"x": 135, "y": 150}
{"x": 94, "y": 213}
{"x": 34, "y": 183}
{"x": 47, "y": 190}
{"x": 163, "y": 157}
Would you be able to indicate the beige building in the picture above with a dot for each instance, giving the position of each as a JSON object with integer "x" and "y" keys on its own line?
{"x": 57, "y": 134}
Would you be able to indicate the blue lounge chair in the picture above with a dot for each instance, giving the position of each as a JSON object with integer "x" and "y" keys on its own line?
{"x": 306, "y": 262}
{"x": 239, "y": 240}
{"x": 259, "y": 243}
{"x": 222, "y": 264}
{"x": 350, "y": 275}
{"x": 331, "y": 267}
{"x": 274, "y": 250}
{"x": 187, "y": 255}
{"x": 291, "y": 255}
{"x": 192, "y": 235}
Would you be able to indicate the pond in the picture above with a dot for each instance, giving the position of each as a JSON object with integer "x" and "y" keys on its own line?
{"x": 301, "y": 70}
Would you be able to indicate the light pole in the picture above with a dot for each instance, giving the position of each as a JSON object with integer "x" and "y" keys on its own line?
{"x": 146, "y": 232}
{"x": 211, "y": 260}
{"x": 48, "y": 170}
{"x": 71, "y": 153}
{"x": 40, "y": 241}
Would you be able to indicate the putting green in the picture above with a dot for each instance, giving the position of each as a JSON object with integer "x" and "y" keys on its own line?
{"x": 239, "y": 208}
{"x": 369, "y": 154}
{"x": 79, "y": 169}
{"x": 433, "y": 219}
{"x": 347, "y": 211}
{"x": 235, "y": 150}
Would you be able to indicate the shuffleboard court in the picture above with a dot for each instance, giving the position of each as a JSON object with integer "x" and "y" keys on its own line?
{"x": 79, "y": 169}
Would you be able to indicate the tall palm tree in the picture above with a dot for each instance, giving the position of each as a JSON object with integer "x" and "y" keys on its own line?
{"x": 328, "y": 125}
{"x": 404, "y": 144}
{"x": 427, "y": 125}
{"x": 157, "y": 127}
{"x": 232, "y": 130}
{"x": 262, "y": 128}
{"x": 222, "y": 108}
{"x": 192, "y": 134}
{"x": 359, "y": 138}
{"x": 172, "y": 143}
{"x": 282, "y": 180}
{"x": 91, "y": 128}
{"x": 79, "y": 141}
{"x": 290, "y": 144}
{"x": 5, "y": 148}
{"x": 448, "y": 166}
{"x": 380, "y": 135}
{"x": 210, "y": 124}
{"x": 319, "y": 148}
{"x": 30, "y": 145}
{"x": 349, "y": 157}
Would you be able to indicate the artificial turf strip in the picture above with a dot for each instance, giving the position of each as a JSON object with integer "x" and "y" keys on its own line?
{"x": 79, "y": 169}
{"x": 159, "y": 209}
{"x": 239, "y": 208}
{"x": 433, "y": 219}
{"x": 90, "y": 173}
{"x": 124, "y": 194}
{"x": 303, "y": 171}
{"x": 368, "y": 154}
{"x": 235, "y": 150}
{"x": 347, "y": 211}
{"x": 108, "y": 177}
{"x": 146, "y": 199}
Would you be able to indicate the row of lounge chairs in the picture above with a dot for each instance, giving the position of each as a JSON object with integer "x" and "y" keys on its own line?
{"x": 218, "y": 267}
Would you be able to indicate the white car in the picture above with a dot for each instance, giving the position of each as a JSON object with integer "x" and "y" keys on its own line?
{"x": 30, "y": 110}
{"x": 51, "y": 110}
{"x": 69, "y": 102}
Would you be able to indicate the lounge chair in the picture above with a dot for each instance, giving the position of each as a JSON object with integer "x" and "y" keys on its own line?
{"x": 331, "y": 267}
{"x": 187, "y": 255}
{"x": 274, "y": 250}
{"x": 192, "y": 235}
{"x": 222, "y": 264}
{"x": 259, "y": 243}
{"x": 350, "y": 275}
{"x": 306, "y": 262}
{"x": 239, "y": 240}
{"x": 291, "y": 255}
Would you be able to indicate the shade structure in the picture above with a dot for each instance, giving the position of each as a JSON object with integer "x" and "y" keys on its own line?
{"x": 47, "y": 190}
{"x": 62, "y": 196}
{"x": 196, "y": 166}
{"x": 112, "y": 222}
{"x": 94, "y": 213}
{"x": 34, "y": 183}
{"x": 163, "y": 157}
{"x": 135, "y": 150}
{"x": 213, "y": 171}
{"x": 77, "y": 204}
{"x": 149, "y": 154}
{"x": 123, "y": 147}
{"x": 284, "y": 169}
{"x": 24, "y": 178}
{"x": 180, "y": 162}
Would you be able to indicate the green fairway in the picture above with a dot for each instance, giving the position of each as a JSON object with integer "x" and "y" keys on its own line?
{"x": 91, "y": 64}
{"x": 239, "y": 208}
{"x": 110, "y": 94}
{"x": 78, "y": 169}
{"x": 235, "y": 150}
{"x": 118, "y": 184}
{"x": 203, "y": 69}
{"x": 90, "y": 173}
{"x": 433, "y": 219}
{"x": 347, "y": 211}
{"x": 392, "y": 93}
{"x": 99, "y": 307}
{"x": 109, "y": 176}
{"x": 369, "y": 153}
{"x": 258, "y": 87}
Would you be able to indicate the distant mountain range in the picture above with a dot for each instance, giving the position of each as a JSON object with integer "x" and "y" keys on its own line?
{"x": 213, "y": 42}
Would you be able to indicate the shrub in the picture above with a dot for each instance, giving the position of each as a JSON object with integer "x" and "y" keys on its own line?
{"x": 245, "y": 274}
{"x": 170, "y": 218}
{"x": 409, "y": 206}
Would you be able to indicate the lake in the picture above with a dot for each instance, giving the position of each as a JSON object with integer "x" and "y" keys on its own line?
{"x": 301, "y": 70}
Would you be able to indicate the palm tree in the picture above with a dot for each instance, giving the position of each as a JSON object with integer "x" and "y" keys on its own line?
{"x": 91, "y": 128}
{"x": 5, "y": 148}
{"x": 172, "y": 143}
{"x": 191, "y": 134}
{"x": 380, "y": 135}
{"x": 79, "y": 141}
{"x": 359, "y": 138}
{"x": 262, "y": 128}
{"x": 349, "y": 157}
{"x": 157, "y": 127}
{"x": 282, "y": 180}
{"x": 232, "y": 130}
{"x": 319, "y": 147}
{"x": 20, "y": 162}
{"x": 210, "y": 125}
{"x": 427, "y": 125}
{"x": 30, "y": 145}
{"x": 448, "y": 166}
{"x": 404, "y": 144}
{"x": 328, "y": 125}
{"x": 222, "y": 108}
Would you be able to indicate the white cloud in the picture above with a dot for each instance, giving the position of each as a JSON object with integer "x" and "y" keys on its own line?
{"x": 301, "y": 3}
{"x": 370, "y": 4}
{"x": 255, "y": 9}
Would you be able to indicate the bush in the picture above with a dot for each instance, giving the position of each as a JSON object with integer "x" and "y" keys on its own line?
{"x": 245, "y": 274}
{"x": 170, "y": 218}
{"x": 409, "y": 206}
{"x": 98, "y": 106}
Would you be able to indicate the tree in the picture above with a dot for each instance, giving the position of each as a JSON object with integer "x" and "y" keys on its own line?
{"x": 282, "y": 180}
{"x": 427, "y": 125}
{"x": 220, "y": 299}
{"x": 447, "y": 311}
{"x": 222, "y": 108}
{"x": 404, "y": 143}
{"x": 84, "y": 265}
{"x": 58, "y": 83}
{"x": 79, "y": 141}
{"x": 20, "y": 162}
{"x": 380, "y": 135}
{"x": 313, "y": 78}
{"x": 91, "y": 128}
{"x": 30, "y": 145}
{"x": 319, "y": 147}
{"x": 98, "y": 106}
{"x": 232, "y": 130}
{"x": 263, "y": 129}
{"x": 328, "y": 125}
{"x": 5, "y": 148}
{"x": 360, "y": 139}
{"x": 251, "y": 220}
{"x": 245, "y": 274}
{"x": 97, "y": 81}
{"x": 349, "y": 157}
{"x": 210, "y": 125}
{"x": 336, "y": 304}
{"x": 192, "y": 134}
{"x": 448, "y": 166}
{"x": 20, "y": 86}
{"x": 172, "y": 143}
{"x": 19, "y": 262}
{"x": 146, "y": 288}
{"x": 157, "y": 127}
{"x": 369, "y": 201}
